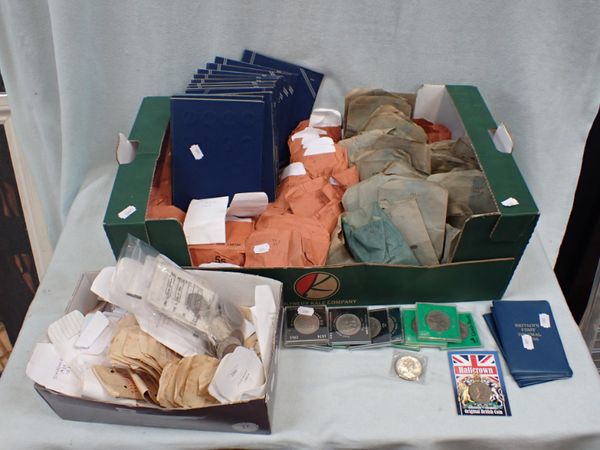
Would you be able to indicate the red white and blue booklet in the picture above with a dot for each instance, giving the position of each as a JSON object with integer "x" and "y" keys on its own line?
{"x": 478, "y": 383}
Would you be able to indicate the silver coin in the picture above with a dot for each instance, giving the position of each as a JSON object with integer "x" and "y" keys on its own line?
{"x": 480, "y": 392}
{"x": 348, "y": 324}
{"x": 306, "y": 324}
{"x": 409, "y": 368}
{"x": 437, "y": 320}
{"x": 392, "y": 324}
{"x": 464, "y": 331}
{"x": 227, "y": 345}
{"x": 374, "y": 327}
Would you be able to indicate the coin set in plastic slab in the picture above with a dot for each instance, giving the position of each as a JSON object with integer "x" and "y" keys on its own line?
{"x": 322, "y": 328}
{"x": 306, "y": 326}
{"x": 438, "y": 326}
{"x": 349, "y": 326}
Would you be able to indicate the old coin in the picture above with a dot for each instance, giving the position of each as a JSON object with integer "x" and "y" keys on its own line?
{"x": 464, "y": 331}
{"x": 347, "y": 324}
{"x": 409, "y": 368}
{"x": 480, "y": 392}
{"x": 306, "y": 324}
{"x": 437, "y": 320}
{"x": 227, "y": 345}
{"x": 374, "y": 327}
{"x": 392, "y": 324}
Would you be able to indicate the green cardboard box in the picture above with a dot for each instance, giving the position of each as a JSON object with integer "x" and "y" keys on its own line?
{"x": 484, "y": 260}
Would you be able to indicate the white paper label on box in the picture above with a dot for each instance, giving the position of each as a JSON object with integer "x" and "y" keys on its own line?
{"x": 294, "y": 169}
{"x": 196, "y": 152}
{"x": 66, "y": 327}
{"x": 124, "y": 214}
{"x": 46, "y": 368}
{"x": 126, "y": 150}
{"x": 308, "y": 132}
{"x": 502, "y": 139}
{"x": 510, "y": 201}
{"x": 92, "y": 330}
{"x": 527, "y": 342}
{"x": 101, "y": 284}
{"x": 319, "y": 149}
{"x": 237, "y": 373}
{"x": 248, "y": 204}
{"x": 264, "y": 313}
{"x": 261, "y": 248}
{"x": 311, "y": 140}
{"x": 305, "y": 310}
{"x": 325, "y": 117}
{"x": 204, "y": 222}
{"x": 545, "y": 320}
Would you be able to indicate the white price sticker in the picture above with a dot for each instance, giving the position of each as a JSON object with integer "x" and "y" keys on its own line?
{"x": 510, "y": 201}
{"x": 261, "y": 248}
{"x": 196, "y": 152}
{"x": 527, "y": 342}
{"x": 545, "y": 320}
{"x": 127, "y": 212}
{"x": 306, "y": 310}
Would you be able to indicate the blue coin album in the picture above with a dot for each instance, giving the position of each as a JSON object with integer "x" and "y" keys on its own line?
{"x": 229, "y": 128}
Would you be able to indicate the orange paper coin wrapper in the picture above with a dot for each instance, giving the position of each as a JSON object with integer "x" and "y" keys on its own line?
{"x": 314, "y": 237}
{"x": 324, "y": 164}
{"x": 274, "y": 248}
{"x": 435, "y": 132}
{"x": 159, "y": 202}
{"x": 232, "y": 252}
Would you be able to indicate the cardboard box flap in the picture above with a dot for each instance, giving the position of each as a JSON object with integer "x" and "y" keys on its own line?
{"x": 151, "y": 124}
{"x": 463, "y": 110}
{"x": 128, "y": 202}
{"x": 500, "y": 168}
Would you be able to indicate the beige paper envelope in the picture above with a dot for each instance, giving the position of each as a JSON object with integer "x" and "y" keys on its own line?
{"x": 361, "y": 103}
{"x": 432, "y": 200}
{"x": 387, "y": 117}
{"x": 406, "y": 216}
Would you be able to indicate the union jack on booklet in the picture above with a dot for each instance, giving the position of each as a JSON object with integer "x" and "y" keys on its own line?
{"x": 478, "y": 384}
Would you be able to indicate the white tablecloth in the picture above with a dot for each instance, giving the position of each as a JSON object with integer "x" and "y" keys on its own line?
{"x": 338, "y": 399}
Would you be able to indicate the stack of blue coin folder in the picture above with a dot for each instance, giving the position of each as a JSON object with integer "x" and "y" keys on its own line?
{"x": 229, "y": 129}
{"x": 528, "y": 338}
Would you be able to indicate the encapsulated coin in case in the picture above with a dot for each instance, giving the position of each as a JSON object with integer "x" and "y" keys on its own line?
{"x": 374, "y": 327}
{"x": 305, "y": 325}
{"x": 349, "y": 326}
{"x": 437, "y": 320}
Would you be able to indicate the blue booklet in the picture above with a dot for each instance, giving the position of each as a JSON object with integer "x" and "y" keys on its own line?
{"x": 273, "y": 139}
{"x": 307, "y": 86}
{"x": 217, "y": 147}
{"x": 526, "y": 333}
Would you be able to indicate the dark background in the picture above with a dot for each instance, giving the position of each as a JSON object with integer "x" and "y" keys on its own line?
{"x": 18, "y": 277}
